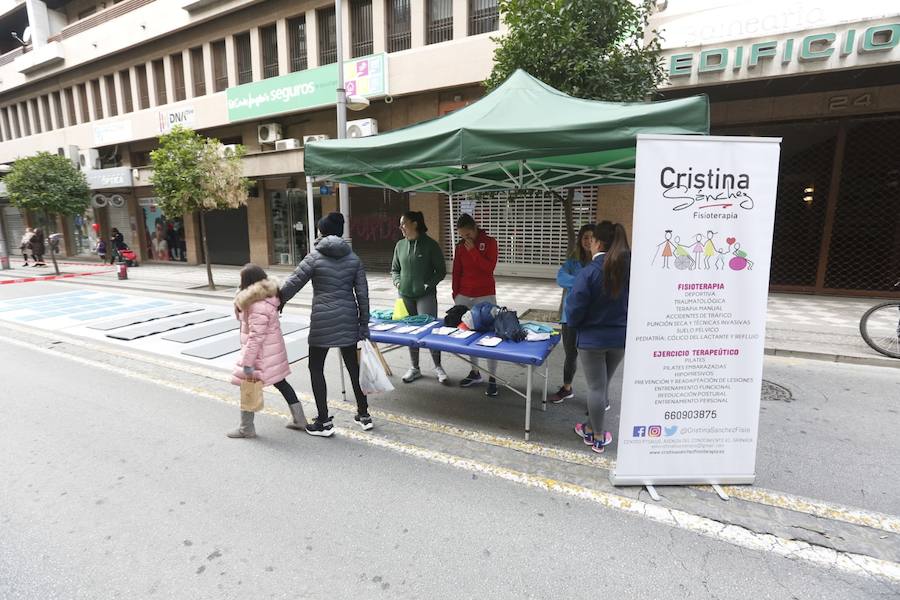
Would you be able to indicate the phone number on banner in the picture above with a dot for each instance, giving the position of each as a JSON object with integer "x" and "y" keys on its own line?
{"x": 677, "y": 415}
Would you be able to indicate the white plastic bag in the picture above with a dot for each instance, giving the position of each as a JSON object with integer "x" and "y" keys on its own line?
{"x": 372, "y": 377}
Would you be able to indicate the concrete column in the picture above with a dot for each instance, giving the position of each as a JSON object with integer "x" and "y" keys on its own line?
{"x": 5, "y": 133}
{"x": 460, "y": 19}
{"x": 345, "y": 25}
{"x": 256, "y": 57}
{"x": 379, "y": 26}
{"x": 135, "y": 88}
{"x": 231, "y": 60}
{"x": 30, "y": 115}
{"x": 188, "y": 73}
{"x": 120, "y": 92}
{"x": 151, "y": 84}
{"x": 208, "y": 71}
{"x": 169, "y": 76}
{"x": 417, "y": 24}
{"x": 76, "y": 101}
{"x": 39, "y": 21}
{"x": 104, "y": 97}
{"x": 42, "y": 116}
{"x": 284, "y": 47}
{"x": 55, "y": 110}
{"x": 312, "y": 39}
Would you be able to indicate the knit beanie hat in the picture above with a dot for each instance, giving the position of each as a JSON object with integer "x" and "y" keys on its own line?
{"x": 331, "y": 224}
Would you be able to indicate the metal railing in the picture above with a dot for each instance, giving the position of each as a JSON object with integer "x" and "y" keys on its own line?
{"x": 244, "y": 57}
{"x": 399, "y": 30}
{"x": 438, "y": 21}
{"x": 268, "y": 38}
{"x": 327, "y": 35}
{"x": 484, "y": 16}
{"x": 297, "y": 43}
{"x": 361, "y": 36}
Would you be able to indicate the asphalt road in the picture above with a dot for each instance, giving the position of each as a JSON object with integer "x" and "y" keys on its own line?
{"x": 117, "y": 488}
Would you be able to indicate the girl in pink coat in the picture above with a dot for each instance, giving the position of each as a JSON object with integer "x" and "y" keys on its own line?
{"x": 263, "y": 355}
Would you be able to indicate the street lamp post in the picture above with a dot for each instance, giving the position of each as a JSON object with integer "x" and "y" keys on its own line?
{"x": 343, "y": 192}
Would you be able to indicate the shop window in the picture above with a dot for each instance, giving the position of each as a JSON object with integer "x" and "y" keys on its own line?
{"x": 125, "y": 82}
{"x": 268, "y": 38}
{"x": 327, "y": 36}
{"x": 439, "y": 21}
{"x": 399, "y": 32}
{"x": 290, "y": 237}
{"x": 178, "y": 76}
{"x": 85, "y": 231}
{"x": 484, "y": 16}
{"x": 198, "y": 71}
{"x": 165, "y": 236}
{"x": 297, "y": 38}
{"x": 244, "y": 58}
{"x": 360, "y": 28}
{"x": 143, "y": 87}
{"x": 220, "y": 65}
{"x": 159, "y": 80}
{"x": 111, "y": 95}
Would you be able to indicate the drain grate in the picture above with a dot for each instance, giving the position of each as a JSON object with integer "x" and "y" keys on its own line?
{"x": 772, "y": 392}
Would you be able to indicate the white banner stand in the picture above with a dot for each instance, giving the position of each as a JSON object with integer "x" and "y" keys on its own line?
{"x": 704, "y": 212}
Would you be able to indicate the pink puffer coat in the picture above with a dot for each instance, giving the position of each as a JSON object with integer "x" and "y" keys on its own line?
{"x": 262, "y": 343}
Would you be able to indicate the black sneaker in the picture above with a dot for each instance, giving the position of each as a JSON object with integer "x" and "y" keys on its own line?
{"x": 562, "y": 394}
{"x": 364, "y": 421}
{"x": 471, "y": 379}
{"x": 492, "y": 388}
{"x": 321, "y": 428}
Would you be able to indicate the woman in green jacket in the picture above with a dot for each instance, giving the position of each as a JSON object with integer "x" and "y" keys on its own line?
{"x": 417, "y": 268}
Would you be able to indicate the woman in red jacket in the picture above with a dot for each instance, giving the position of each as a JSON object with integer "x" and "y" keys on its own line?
{"x": 473, "y": 282}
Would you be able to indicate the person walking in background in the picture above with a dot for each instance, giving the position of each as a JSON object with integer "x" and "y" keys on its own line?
{"x": 25, "y": 245}
{"x": 263, "y": 353}
{"x": 340, "y": 315}
{"x": 565, "y": 278}
{"x": 416, "y": 269}
{"x": 598, "y": 311}
{"x": 473, "y": 282}
{"x": 116, "y": 243}
{"x": 38, "y": 247}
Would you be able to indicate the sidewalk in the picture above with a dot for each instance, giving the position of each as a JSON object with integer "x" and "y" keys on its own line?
{"x": 820, "y": 327}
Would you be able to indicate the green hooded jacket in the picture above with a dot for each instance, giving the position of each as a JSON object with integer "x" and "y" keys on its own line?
{"x": 418, "y": 266}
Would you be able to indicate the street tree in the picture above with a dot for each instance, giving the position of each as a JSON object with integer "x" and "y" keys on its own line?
{"x": 193, "y": 173}
{"x": 50, "y": 185}
{"x": 593, "y": 49}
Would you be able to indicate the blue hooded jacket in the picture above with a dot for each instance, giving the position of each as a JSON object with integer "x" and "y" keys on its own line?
{"x": 565, "y": 278}
{"x": 598, "y": 318}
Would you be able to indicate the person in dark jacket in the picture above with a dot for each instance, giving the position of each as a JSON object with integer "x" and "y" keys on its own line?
{"x": 417, "y": 268}
{"x": 340, "y": 315}
{"x": 597, "y": 309}
{"x": 38, "y": 247}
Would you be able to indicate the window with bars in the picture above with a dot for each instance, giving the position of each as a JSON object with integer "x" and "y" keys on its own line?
{"x": 178, "y": 77}
{"x": 439, "y": 21}
{"x": 244, "y": 58}
{"x": 98, "y": 99}
{"x": 399, "y": 30}
{"x": 83, "y": 100}
{"x": 143, "y": 87}
{"x": 58, "y": 109}
{"x": 297, "y": 39}
{"x": 484, "y": 16}
{"x": 220, "y": 65}
{"x": 48, "y": 116}
{"x": 69, "y": 99}
{"x": 198, "y": 71}
{"x": 360, "y": 28}
{"x": 327, "y": 36}
{"x": 127, "y": 99}
{"x": 268, "y": 38}
{"x": 530, "y": 229}
{"x": 112, "y": 100}
{"x": 159, "y": 80}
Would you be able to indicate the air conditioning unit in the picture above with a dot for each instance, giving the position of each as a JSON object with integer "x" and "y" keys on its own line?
{"x": 314, "y": 138}
{"x": 229, "y": 149}
{"x": 362, "y": 128}
{"x": 89, "y": 159}
{"x": 288, "y": 144}
{"x": 268, "y": 133}
{"x": 70, "y": 152}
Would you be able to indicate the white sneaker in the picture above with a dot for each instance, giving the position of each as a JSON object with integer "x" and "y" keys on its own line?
{"x": 412, "y": 375}
{"x": 441, "y": 374}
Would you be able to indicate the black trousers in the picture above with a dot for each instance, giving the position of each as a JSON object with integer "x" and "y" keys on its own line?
{"x": 317, "y": 356}
{"x": 570, "y": 345}
{"x": 287, "y": 391}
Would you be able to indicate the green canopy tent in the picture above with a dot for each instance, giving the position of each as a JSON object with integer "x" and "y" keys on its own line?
{"x": 524, "y": 135}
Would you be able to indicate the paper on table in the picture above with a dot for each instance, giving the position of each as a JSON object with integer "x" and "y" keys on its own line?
{"x": 536, "y": 337}
{"x": 425, "y": 328}
{"x": 462, "y": 334}
{"x": 444, "y": 330}
{"x": 383, "y": 326}
{"x": 405, "y": 329}
{"x": 489, "y": 341}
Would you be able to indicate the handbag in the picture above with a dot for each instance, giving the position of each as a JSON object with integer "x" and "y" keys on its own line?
{"x": 251, "y": 395}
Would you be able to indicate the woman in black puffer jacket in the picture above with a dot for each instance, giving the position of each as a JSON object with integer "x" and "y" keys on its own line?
{"x": 340, "y": 315}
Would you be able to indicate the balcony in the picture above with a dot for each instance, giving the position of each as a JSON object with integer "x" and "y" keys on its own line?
{"x": 40, "y": 58}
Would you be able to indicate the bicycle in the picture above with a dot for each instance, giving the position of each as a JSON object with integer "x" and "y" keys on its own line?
{"x": 880, "y": 327}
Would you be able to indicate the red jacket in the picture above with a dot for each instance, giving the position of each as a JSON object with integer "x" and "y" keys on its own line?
{"x": 473, "y": 270}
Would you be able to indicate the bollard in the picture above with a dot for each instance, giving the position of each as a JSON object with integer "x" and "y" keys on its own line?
{"x": 4, "y": 263}
{"x": 123, "y": 271}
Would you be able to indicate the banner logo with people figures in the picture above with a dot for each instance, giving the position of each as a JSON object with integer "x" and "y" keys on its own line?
{"x": 701, "y": 252}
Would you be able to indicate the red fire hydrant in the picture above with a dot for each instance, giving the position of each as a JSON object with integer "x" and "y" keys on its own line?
{"x": 123, "y": 271}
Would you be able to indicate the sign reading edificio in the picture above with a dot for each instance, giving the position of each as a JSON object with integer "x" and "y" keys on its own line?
{"x": 307, "y": 89}
{"x": 704, "y": 212}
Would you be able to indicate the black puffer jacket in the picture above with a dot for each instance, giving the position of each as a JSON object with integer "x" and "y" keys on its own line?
{"x": 340, "y": 306}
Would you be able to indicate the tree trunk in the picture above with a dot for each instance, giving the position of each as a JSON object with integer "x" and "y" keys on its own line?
{"x": 209, "y": 275}
{"x": 566, "y": 201}
{"x": 49, "y": 244}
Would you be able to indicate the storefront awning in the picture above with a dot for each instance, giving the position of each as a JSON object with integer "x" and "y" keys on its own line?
{"x": 523, "y": 135}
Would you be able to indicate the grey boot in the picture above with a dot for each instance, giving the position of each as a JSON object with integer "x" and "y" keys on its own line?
{"x": 299, "y": 422}
{"x": 246, "y": 430}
